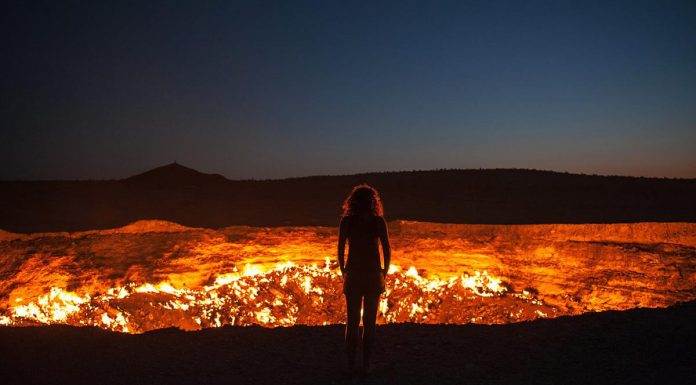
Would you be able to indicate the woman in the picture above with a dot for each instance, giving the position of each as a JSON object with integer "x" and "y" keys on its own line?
{"x": 362, "y": 224}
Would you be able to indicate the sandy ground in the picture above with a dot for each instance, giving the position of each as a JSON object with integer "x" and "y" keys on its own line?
{"x": 641, "y": 346}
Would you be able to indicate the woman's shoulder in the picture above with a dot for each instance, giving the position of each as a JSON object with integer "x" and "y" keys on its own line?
{"x": 345, "y": 220}
{"x": 378, "y": 221}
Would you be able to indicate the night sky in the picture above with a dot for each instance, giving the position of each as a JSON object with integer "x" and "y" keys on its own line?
{"x": 279, "y": 89}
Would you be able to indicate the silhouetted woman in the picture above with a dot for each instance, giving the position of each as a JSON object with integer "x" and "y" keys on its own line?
{"x": 362, "y": 224}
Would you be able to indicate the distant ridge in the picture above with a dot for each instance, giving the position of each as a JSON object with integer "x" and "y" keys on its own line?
{"x": 485, "y": 196}
{"x": 521, "y": 170}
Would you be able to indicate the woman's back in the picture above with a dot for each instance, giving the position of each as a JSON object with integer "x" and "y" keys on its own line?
{"x": 363, "y": 242}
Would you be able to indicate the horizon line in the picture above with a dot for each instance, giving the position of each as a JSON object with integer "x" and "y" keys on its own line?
{"x": 351, "y": 174}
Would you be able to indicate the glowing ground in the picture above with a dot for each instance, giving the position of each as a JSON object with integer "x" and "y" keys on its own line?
{"x": 156, "y": 274}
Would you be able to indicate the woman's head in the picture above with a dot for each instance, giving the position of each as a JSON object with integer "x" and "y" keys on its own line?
{"x": 363, "y": 199}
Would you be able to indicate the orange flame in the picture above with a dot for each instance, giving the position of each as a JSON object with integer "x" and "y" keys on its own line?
{"x": 284, "y": 295}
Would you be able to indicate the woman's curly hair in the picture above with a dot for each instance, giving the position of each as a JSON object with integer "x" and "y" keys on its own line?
{"x": 363, "y": 198}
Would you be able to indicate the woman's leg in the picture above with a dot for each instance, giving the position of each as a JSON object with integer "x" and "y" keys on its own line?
{"x": 353, "y": 303}
{"x": 369, "y": 326}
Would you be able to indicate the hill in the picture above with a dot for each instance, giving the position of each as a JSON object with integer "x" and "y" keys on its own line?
{"x": 191, "y": 198}
{"x": 175, "y": 175}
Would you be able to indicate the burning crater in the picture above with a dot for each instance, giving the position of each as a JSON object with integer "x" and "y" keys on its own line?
{"x": 155, "y": 274}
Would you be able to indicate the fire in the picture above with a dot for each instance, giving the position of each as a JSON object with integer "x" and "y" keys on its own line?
{"x": 53, "y": 307}
{"x": 139, "y": 278}
{"x": 284, "y": 295}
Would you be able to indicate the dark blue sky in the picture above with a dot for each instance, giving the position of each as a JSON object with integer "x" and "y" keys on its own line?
{"x": 278, "y": 89}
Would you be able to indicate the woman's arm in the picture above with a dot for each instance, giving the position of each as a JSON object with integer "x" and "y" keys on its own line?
{"x": 386, "y": 247}
{"x": 342, "y": 230}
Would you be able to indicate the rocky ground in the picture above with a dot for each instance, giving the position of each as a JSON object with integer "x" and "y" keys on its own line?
{"x": 640, "y": 346}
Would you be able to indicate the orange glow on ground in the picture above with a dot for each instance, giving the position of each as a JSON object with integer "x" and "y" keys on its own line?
{"x": 155, "y": 274}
